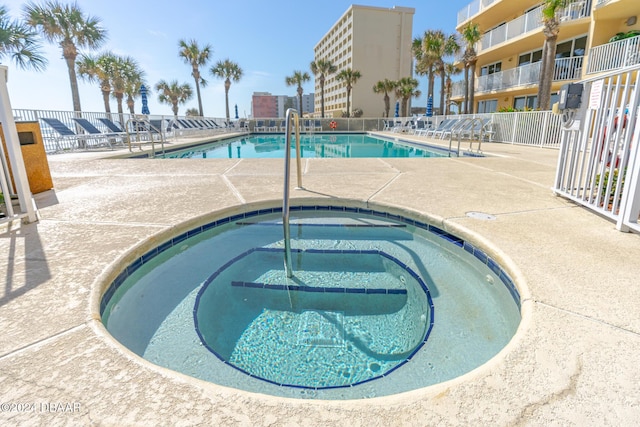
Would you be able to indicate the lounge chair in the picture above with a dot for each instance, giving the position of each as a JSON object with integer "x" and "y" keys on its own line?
{"x": 260, "y": 127}
{"x": 444, "y": 125}
{"x": 271, "y": 127}
{"x": 243, "y": 125}
{"x": 400, "y": 127}
{"x": 459, "y": 128}
{"x": 388, "y": 125}
{"x": 63, "y": 134}
{"x": 283, "y": 125}
{"x": 418, "y": 127}
{"x": 317, "y": 125}
{"x": 111, "y": 126}
{"x": 87, "y": 126}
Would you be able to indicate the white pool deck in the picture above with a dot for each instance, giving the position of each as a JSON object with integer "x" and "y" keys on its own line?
{"x": 574, "y": 361}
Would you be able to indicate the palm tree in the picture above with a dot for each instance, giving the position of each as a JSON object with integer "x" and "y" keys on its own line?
{"x": 470, "y": 35}
{"x": 448, "y": 46}
{"x": 449, "y": 70}
{"x": 385, "y": 86}
{"x": 192, "y": 112}
{"x": 134, "y": 79}
{"x": 70, "y": 28}
{"x": 551, "y": 29}
{"x": 99, "y": 69}
{"x": 173, "y": 94}
{"x": 407, "y": 88}
{"x": 18, "y": 42}
{"x": 321, "y": 69}
{"x": 126, "y": 68}
{"x": 227, "y": 70}
{"x": 423, "y": 50}
{"x": 192, "y": 54}
{"x": 350, "y": 78}
{"x": 297, "y": 79}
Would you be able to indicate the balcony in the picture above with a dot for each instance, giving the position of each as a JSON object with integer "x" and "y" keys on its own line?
{"x": 612, "y": 56}
{"x": 472, "y": 9}
{"x": 526, "y": 75}
{"x": 531, "y": 21}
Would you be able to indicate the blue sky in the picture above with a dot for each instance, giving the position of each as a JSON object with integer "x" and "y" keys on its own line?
{"x": 268, "y": 39}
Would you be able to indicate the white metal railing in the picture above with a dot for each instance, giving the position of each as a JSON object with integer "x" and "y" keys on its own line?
{"x": 599, "y": 161}
{"x": 565, "y": 69}
{"x": 167, "y": 126}
{"x": 513, "y": 128}
{"x": 457, "y": 89}
{"x": 534, "y": 128}
{"x": 615, "y": 55}
{"x": 473, "y": 8}
{"x": 468, "y": 11}
{"x": 531, "y": 21}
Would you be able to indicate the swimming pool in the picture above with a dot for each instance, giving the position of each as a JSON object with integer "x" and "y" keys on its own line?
{"x": 379, "y": 304}
{"x": 316, "y": 145}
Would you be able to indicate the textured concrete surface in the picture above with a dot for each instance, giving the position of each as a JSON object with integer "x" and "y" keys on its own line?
{"x": 574, "y": 360}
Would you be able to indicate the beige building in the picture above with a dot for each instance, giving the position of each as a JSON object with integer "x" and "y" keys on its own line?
{"x": 376, "y": 42}
{"x": 509, "y": 54}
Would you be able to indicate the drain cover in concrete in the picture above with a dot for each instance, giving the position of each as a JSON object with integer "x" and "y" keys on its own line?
{"x": 481, "y": 215}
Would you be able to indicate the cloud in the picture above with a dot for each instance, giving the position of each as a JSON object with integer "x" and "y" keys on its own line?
{"x": 158, "y": 34}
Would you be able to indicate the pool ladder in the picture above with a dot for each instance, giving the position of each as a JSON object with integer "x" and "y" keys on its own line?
{"x": 292, "y": 119}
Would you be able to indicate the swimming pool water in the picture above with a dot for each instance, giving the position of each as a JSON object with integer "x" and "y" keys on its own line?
{"x": 317, "y": 145}
{"x": 377, "y": 306}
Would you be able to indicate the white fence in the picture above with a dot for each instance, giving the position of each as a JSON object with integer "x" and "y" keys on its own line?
{"x": 615, "y": 55}
{"x": 598, "y": 166}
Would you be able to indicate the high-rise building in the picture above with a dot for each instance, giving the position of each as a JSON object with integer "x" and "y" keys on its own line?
{"x": 510, "y": 52}
{"x": 263, "y": 105}
{"x": 266, "y": 105}
{"x": 375, "y": 41}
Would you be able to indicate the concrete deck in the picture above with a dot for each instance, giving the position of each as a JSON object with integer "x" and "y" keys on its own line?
{"x": 574, "y": 361}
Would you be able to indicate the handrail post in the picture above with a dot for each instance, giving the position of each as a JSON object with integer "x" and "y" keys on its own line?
{"x": 291, "y": 113}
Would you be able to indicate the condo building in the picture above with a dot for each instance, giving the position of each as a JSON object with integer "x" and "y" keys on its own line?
{"x": 595, "y": 36}
{"x": 375, "y": 41}
{"x": 266, "y": 105}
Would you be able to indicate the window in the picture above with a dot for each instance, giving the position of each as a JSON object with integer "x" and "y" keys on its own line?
{"x": 490, "y": 69}
{"x": 575, "y": 47}
{"x": 530, "y": 58}
{"x": 488, "y": 106}
{"x": 525, "y": 102}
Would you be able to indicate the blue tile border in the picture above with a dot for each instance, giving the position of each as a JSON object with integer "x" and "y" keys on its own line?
{"x": 362, "y": 291}
{"x": 480, "y": 255}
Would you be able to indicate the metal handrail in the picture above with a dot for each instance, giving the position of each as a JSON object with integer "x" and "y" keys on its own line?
{"x": 135, "y": 121}
{"x": 290, "y": 114}
{"x": 471, "y": 134}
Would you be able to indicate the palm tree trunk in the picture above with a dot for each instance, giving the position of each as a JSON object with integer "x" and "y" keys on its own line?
{"x": 105, "y": 99}
{"x": 472, "y": 84}
{"x": 348, "y": 101}
{"x": 130, "y": 104}
{"x": 442, "y": 91}
{"x": 120, "y": 110}
{"x": 199, "y": 98}
{"x": 73, "y": 80}
{"x": 227, "y": 85}
{"x": 466, "y": 89}
{"x": 546, "y": 73}
{"x": 322, "y": 98}
{"x": 387, "y": 105}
